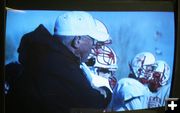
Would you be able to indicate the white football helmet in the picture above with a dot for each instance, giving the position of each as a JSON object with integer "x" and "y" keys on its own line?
{"x": 102, "y": 29}
{"x": 162, "y": 72}
{"x": 142, "y": 66}
{"x": 105, "y": 63}
{"x": 105, "y": 58}
{"x": 102, "y": 56}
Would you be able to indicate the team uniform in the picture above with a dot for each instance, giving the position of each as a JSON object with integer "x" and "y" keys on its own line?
{"x": 132, "y": 93}
{"x": 157, "y": 99}
{"x": 129, "y": 94}
{"x": 102, "y": 65}
{"x": 148, "y": 89}
{"x": 105, "y": 64}
{"x": 95, "y": 80}
{"x": 159, "y": 85}
{"x": 102, "y": 62}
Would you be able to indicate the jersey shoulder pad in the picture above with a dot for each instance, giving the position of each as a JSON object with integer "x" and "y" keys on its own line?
{"x": 128, "y": 88}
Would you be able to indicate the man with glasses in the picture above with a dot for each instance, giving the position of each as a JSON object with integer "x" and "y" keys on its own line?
{"x": 52, "y": 80}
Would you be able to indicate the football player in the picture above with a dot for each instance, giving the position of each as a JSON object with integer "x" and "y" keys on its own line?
{"x": 132, "y": 93}
{"x": 102, "y": 63}
{"x": 105, "y": 64}
{"x": 159, "y": 85}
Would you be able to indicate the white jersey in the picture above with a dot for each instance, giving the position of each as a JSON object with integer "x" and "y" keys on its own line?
{"x": 129, "y": 94}
{"x": 157, "y": 99}
{"x": 95, "y": 80}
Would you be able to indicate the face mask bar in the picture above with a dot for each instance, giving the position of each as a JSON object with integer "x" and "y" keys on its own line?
{"x": 103, "y": 56}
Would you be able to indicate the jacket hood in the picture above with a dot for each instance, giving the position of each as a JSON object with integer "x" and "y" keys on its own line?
{"x": 38, "y": 42}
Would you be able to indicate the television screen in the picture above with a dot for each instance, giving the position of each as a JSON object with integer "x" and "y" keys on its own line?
{"x": 139, "y": 55}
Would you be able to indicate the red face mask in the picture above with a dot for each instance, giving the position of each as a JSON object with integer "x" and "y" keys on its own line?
{"x": 112, "y": 81}
{"x": 154, "y": 83}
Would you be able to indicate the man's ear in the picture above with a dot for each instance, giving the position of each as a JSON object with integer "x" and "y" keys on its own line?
{"x": 76, "y": 42}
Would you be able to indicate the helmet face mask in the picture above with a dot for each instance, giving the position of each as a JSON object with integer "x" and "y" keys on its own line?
{"x": 147, "y": 68}
{"x": 103, "y": 61}
{"x": 147, "y": 71}
{"x": 105, "y": 58}
{"x": 157, "y": 77}
{"x": 104, "y": 43}
{"x": 105, "y": 64}
{"x": 142, "y": 66}
{"x": 160, "y": 75}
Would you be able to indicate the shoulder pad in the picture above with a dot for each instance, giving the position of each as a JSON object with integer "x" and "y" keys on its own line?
{"x": 128, "y": 88}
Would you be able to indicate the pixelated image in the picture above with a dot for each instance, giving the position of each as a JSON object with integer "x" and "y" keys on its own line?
{"x": 133, "y": 60}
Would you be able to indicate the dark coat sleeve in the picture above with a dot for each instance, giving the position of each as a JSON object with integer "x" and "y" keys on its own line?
{"x": 70, "y": 86}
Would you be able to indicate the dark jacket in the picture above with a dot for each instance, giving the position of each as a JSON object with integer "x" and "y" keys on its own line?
{"x": 52, "y": 81}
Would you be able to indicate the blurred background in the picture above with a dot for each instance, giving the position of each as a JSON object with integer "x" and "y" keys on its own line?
{"x": 131, "y": 32}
